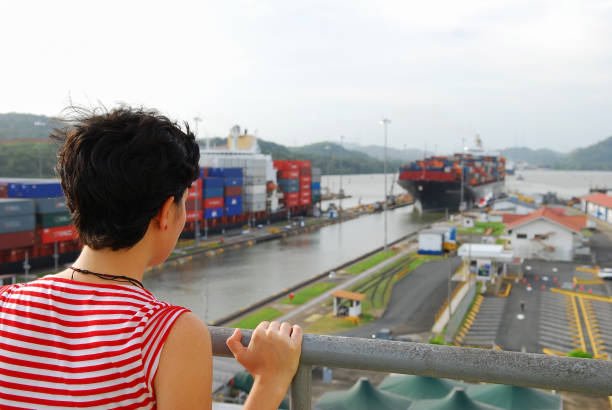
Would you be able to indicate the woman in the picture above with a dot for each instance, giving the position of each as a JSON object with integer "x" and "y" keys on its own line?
{"x": 91, "y": 336}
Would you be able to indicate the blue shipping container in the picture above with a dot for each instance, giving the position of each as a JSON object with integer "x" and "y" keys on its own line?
{"x": 213, "y": 213}
{"x": 233, "y": 181}
{"x": 16, "y": 207}
{"x": 232, "y": 210}
{"x": 212, "y": 182}
{"x": 216, "y": 172}
{"x": 34, "y": 190}
{"x": 233, "y": 172}
{"x": 233, "y": 200}
{"x": 315, "y": 185}
{"x": 212, "y": 192}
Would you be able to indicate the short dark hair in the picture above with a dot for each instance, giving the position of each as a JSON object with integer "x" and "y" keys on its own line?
{"x": 117, "y": 169}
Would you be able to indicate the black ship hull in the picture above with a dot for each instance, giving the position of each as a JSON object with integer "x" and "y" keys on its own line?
{"x": 444, "y": 195}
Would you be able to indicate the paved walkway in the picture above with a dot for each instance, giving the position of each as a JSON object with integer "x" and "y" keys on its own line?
{"x": 324, "y": 296}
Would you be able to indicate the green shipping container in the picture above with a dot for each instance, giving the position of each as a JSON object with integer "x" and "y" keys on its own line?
{"x": 53, "y": 220}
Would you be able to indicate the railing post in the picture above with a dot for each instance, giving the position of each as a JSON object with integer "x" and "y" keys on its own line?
{"x": 300, "y": 388}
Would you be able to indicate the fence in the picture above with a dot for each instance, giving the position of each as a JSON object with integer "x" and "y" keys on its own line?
{"x": 475, "y": 365}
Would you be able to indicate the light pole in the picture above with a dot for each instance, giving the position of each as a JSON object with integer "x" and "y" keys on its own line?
{"x": 462, "y": 207}
{"x": 340, "y": 192}
{"x": 196, "y": 242}
{"x": 385, "y": 122}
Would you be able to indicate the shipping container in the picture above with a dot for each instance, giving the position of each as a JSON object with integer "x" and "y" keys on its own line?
{"x": 233, "y": 200}
{"x": 315, "y": 186}
{"x": 254, "y": 180}
{"x": 34, "y": 188}
{"x": 50, "y": 205}
{"x": 254, "y": 189}
{"x": 292, "y": 174}
{"x": 16, "y": 240}
{"x": 59, "y": 234}
{"x": 211, "y": 182}
{"x": 213, "y": 213}
{"x": 210, "y": 203}
{"x": 233, "y": 191}
{"x": 212, "y": 192}
{"x": 250, "y": 198}
{"x": 21, "y": 223}
{"x": 305, "y": 187}
{"x": 53, "y": 220}
{"x": 16, "y": 207}
{"x": 233, "y": 181}
{"x": 305, "y": 179}
{"x": 431, "y": 242}
{"x": 192, "y": 215}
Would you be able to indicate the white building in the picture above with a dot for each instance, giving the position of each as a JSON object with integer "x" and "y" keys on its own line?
{"x": 514, "y": 206}
{"x": 598, "y": 206}
{"x": 486, "y": 261}
{"x": 546, "y": 234}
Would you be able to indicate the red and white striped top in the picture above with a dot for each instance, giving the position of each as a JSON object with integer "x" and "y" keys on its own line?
{"x": 65, "y": 343}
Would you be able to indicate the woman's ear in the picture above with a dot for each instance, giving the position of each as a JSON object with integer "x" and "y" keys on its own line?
{"x": 163, "y": 216}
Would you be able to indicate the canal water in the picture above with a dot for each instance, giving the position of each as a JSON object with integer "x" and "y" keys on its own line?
{"x": 213, "y": 287}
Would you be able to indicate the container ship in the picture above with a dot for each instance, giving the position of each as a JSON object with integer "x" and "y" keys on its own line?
{"x": 237, "y": 186}
{"x": 440, "y": 183}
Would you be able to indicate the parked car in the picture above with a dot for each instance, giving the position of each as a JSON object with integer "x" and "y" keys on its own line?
{"x": 383, "y": 333}
{"x": 605, "y": 273}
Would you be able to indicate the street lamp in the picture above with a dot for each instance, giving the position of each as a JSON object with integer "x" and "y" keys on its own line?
{"x": 196, "y": 241}
{"x": 385, "y": 122}
{"x": 340, "y": 193}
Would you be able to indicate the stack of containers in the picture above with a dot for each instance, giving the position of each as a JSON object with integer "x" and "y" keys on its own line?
{"x": 254, "y": 194}
{"x": 316, "y": 185}
{"x": 289, "y": 182}
{"x": 16, "y": 227}
{"x": 194, "y": 194}
{"x": 232, "y": 191}
{"x": 212, "y": 193}
{"x": 305, "y": 182}
{"x": 53, "y": 224}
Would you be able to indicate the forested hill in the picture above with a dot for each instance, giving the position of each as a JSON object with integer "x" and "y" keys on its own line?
{"x": 594, "y": 157}
{"x": 29, "y": 126}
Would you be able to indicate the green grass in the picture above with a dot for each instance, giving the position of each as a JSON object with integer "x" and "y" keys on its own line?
{"x": 500, "y": 241}
{"x": 481, "y": 228}
{"x": 329, "y": 324}
{"x": 580, "y": 353}
{"x": 370, "y": 262}
{"x": 305, "y": 295}
{"x": 251, "y": 321}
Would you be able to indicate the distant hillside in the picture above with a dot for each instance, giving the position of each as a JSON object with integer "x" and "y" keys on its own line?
{"x": 539, "y": 157}
{"x": 378, "y": 151}
{"x": 20, "y": 126}
{"x": 594, "y": 157}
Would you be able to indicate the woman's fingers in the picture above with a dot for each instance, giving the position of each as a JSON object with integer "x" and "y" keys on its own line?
{"x": 285, "y": 329}
{"x": 274, "y": 327}
{"x": 296, "y": 335}
{"x": 235, "y": 345}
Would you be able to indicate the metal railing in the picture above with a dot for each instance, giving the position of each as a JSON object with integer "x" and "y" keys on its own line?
{"x": 474, "y": 365}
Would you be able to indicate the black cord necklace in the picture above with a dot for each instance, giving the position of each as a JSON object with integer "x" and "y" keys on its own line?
{"x": 107, "y": 276}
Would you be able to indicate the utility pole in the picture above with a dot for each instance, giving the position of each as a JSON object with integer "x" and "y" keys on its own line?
{"x": 385, "y": 122}
{"x": 340, "y": 192}
{"x": 196, "y": 242}
{"x": 461, "y": 205}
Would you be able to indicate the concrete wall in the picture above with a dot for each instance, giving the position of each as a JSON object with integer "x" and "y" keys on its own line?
{"x": 459, "y": 313}
{"x": 562, "y": 240}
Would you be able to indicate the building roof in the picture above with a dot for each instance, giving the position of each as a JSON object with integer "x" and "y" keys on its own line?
{"x": 508, "y": 218}
{"x": 345, "y": 294}
{"x": 480, "y": 250}
{"x": 555, "y": 215}
{"x": 599, "y": 199}
{"x": 517, "y": 201}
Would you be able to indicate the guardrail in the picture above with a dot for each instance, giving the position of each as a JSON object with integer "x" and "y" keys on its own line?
{"x": 475, "y": 365}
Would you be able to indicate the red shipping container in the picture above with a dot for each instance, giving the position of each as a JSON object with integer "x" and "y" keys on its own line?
{"x": 305, "y": 187}
{"x": 190, "y": 204}
{"x": 17, "y": 255}
{"x": 304, "y": 201}
{"x": 192, "y": 215}
{"x": 284, "y": 165}
{"x": 304, "y": 194}
{"x": 292, "y": 174}
{"x": 195, "y": 190}
{"x": 305, "y": 179}
{"x": 213, "y": 203}
{"x": 292, "y": 196}
{"x": 16, "y": 240}
{"x": 58, "y": 234}
{"x": 3, "y": 190}
{"x": 233, "y": 191}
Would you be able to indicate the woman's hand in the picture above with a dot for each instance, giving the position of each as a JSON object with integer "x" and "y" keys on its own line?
{"x": 272, "y": 356}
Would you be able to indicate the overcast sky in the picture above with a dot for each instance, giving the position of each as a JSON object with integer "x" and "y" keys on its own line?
{"x": 534, "y": 73}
